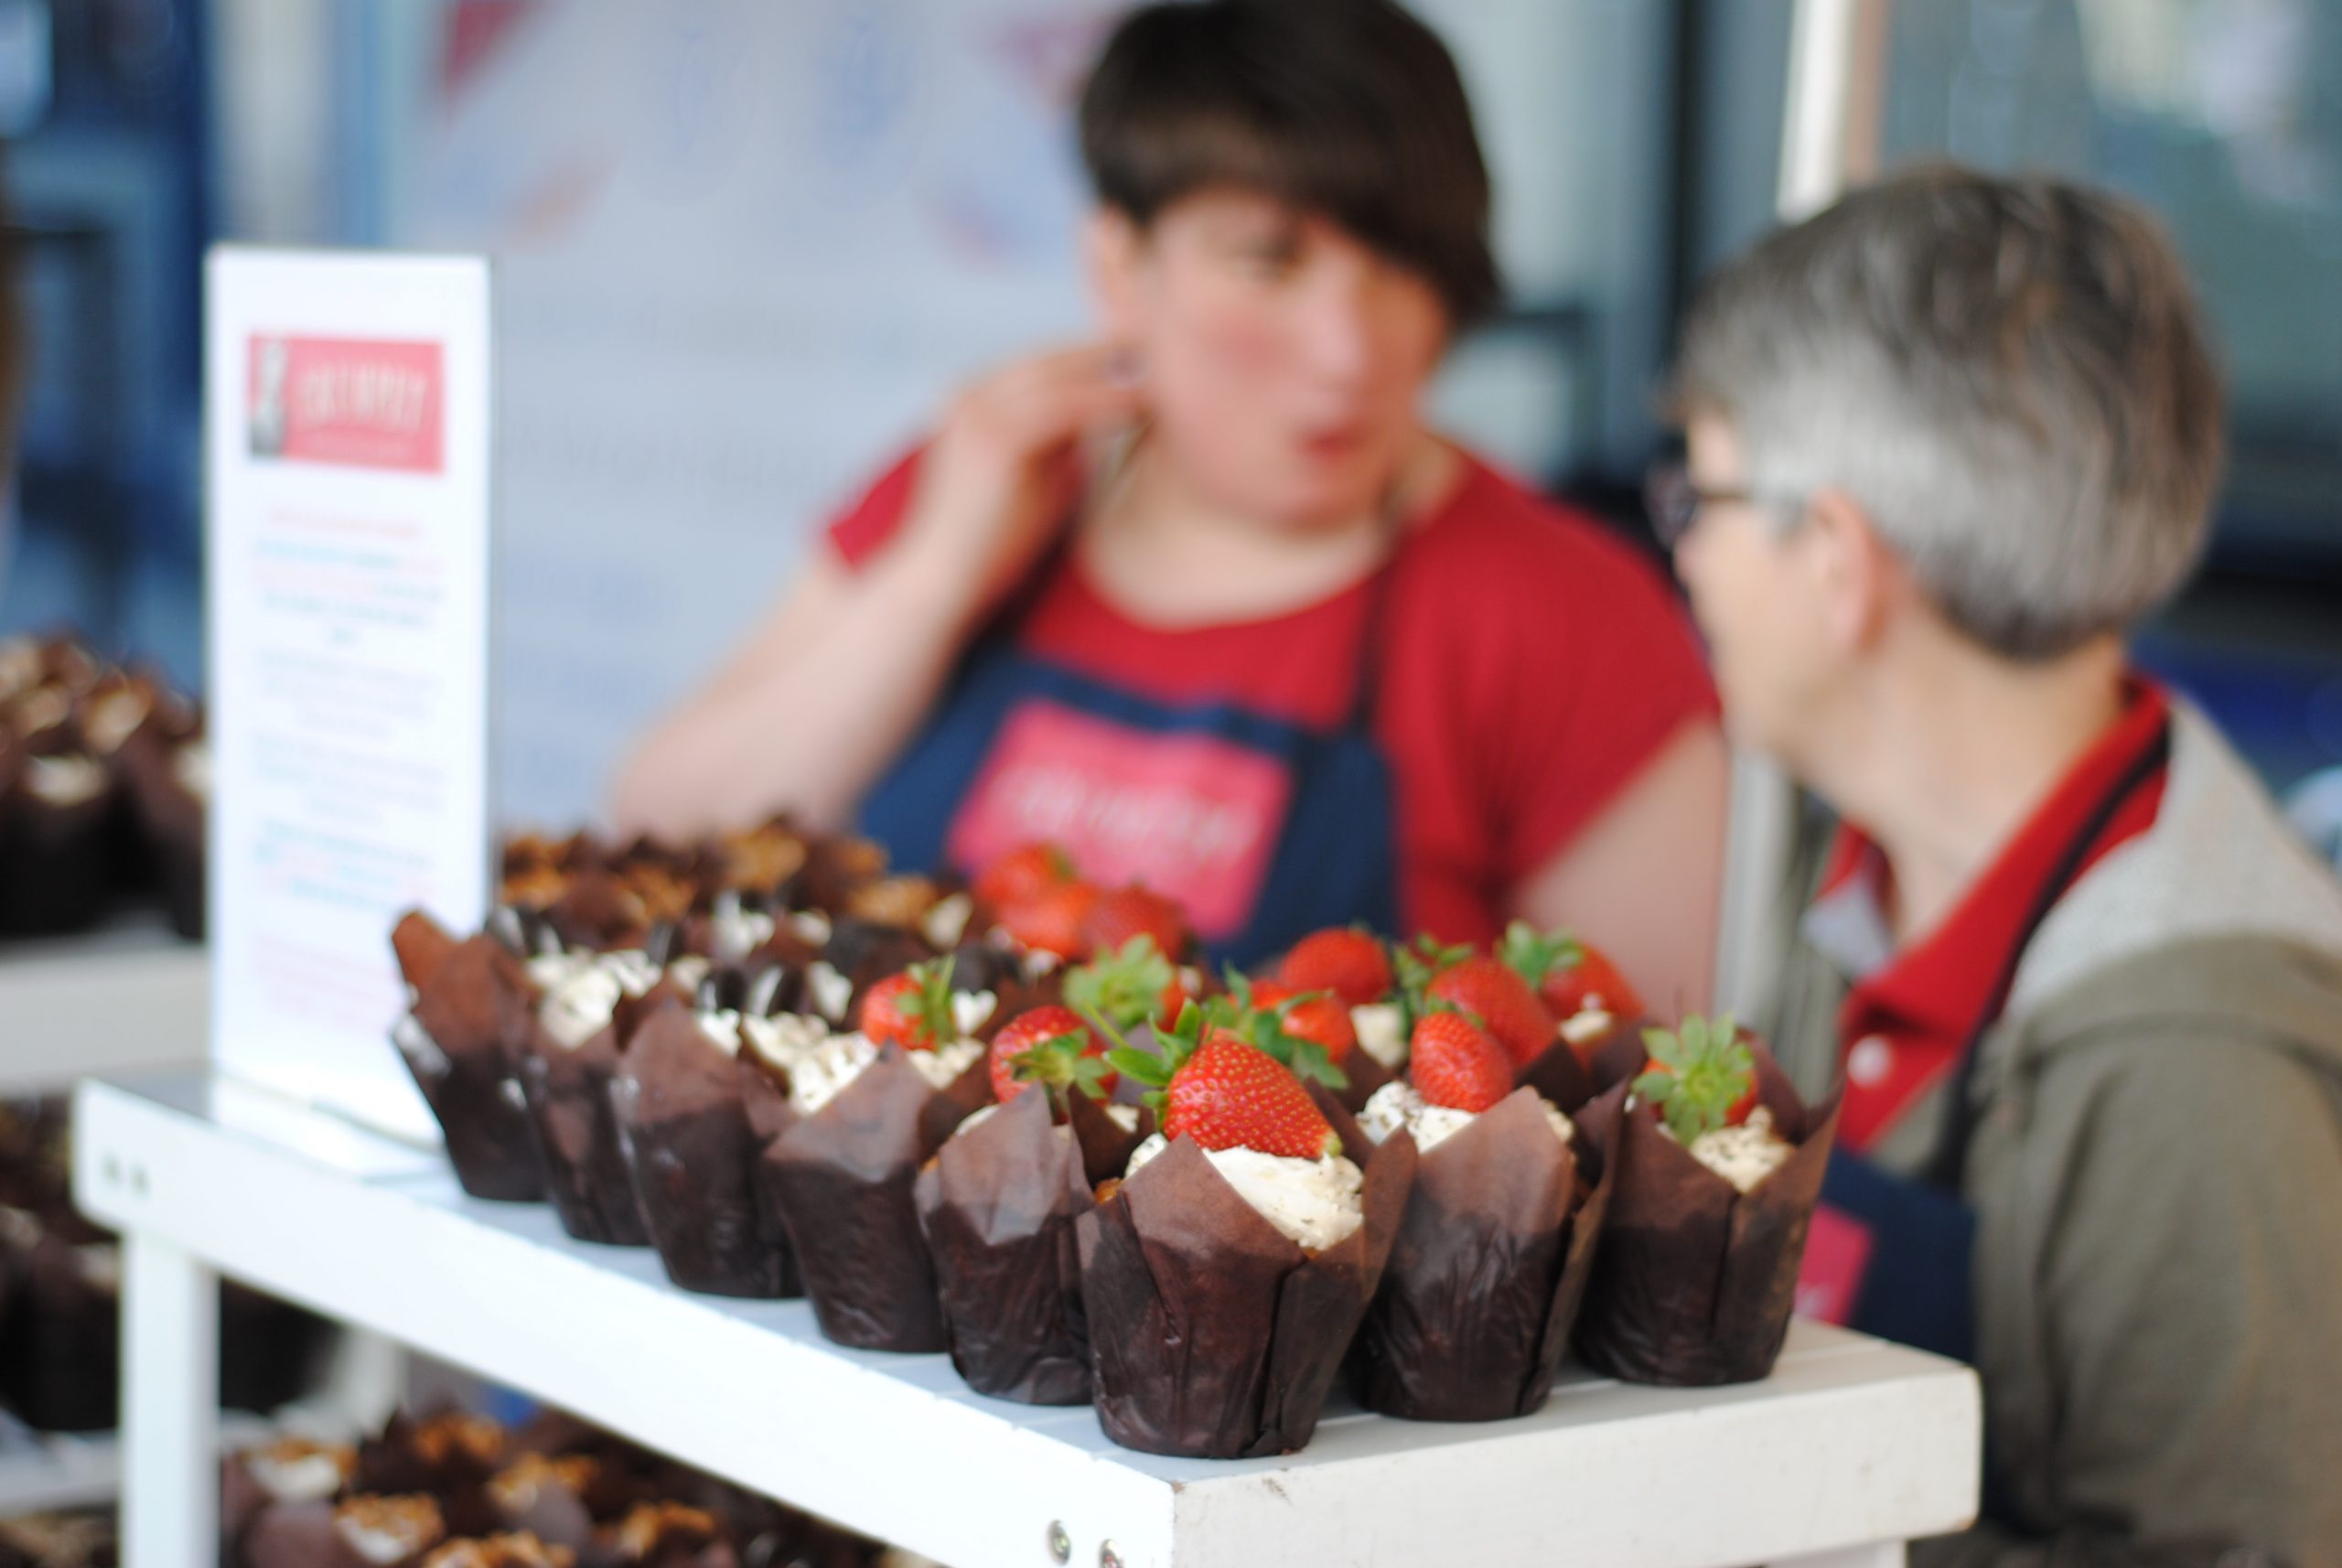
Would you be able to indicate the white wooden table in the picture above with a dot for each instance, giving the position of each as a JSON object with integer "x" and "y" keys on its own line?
{"x": 1850, "y": 1449}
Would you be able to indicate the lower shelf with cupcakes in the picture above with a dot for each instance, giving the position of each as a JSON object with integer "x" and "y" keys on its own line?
{"x": 1850, "y": 1448}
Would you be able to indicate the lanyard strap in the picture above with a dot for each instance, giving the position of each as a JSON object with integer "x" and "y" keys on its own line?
{"x": 1948, "y": 1168}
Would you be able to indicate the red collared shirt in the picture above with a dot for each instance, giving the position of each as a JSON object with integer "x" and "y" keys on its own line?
{"x": 1913, "y": 1010}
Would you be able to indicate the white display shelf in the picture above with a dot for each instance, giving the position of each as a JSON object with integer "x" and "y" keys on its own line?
{"x": 125, "y": 998}
{"x": 1850, "y": 1449}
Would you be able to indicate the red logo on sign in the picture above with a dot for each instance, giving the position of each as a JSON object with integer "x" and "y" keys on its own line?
{"x": 1837, "y": 1256}
{"x": 346, "y": 401}
{"x": 1193, "y": 816}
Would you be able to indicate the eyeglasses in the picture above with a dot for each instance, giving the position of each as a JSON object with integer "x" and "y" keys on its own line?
{"x": 1673, "y": 500}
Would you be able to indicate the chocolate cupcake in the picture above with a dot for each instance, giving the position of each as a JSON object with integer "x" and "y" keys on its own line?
{"x": 1490, "y": 1264}
{"x": 553, "y": 1498}
{"x": 469, "y": 999}
{"x": 59, "y": 1356}
{"x": 166, "y": 773}
{"x": 566, "y": 1061}
{"x": 519, "y": 1549}
{"x": 289, "y": 1472}
{"x": 1697, "y": 1273}
{"x": 371, "y": 1531}
{"x": 996, "y": 1206}
{"x": 1214, "y": 1332}
{"x": 685, "y": 1135}
{"x": 672, "y": 1535}
{"x": 859, "y": 1123}
{"x": 56, "y": 823}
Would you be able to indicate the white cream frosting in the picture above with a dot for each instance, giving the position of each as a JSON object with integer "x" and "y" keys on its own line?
{"x": 819, "y": 1073}
{"x": 1588, "y": 1023}
{"x": 107, "y": 722}
{"x": 63, "y": 781}
{"x": 581, "y": 1005}
{"x": 192, "y": 768}
{"x": 1316, "y": 1202}
{"x": 1380, "y": 1032}
{"x": 1743, "y": 1155}
{"x": 813, "y": 928}
{"x": 377, "y": 1543}
{"x": 722, "y": 1029}
{"x": 307, "y": 1476}
{"x": 947, "y": 921}
{"x": 1397, "y": 1105}
{"x": 738, "y": 931}
{"x": 551, "y": 971}
{"x": 832, "y": 993}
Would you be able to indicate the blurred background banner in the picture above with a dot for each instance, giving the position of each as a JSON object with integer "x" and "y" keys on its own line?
{"x": 745, "y": 250}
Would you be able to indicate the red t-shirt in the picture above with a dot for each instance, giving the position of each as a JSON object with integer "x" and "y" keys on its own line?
{"x": 1905, "y": 1020}
{"x": 1532, "y": 664}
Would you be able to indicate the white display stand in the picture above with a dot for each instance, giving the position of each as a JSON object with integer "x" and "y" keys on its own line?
{"x": 1850, "y": 1449}
{"x": 129, "y": 996}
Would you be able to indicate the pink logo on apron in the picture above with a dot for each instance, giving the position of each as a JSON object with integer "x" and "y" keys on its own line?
{"x": 1193, "y": 816}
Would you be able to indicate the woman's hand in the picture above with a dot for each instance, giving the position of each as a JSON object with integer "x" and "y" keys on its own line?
{"x": 1004, "y": 469}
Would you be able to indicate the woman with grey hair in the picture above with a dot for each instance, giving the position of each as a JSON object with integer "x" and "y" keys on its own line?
{"x": 1949, "y": 441}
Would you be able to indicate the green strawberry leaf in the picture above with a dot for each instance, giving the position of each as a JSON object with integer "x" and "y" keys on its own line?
{"x": 1533, "y": 955}
{"x": 1125, "y": 986}
{"x": 1709, "y": 1070}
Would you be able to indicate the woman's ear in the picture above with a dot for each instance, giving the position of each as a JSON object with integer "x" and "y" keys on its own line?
{"x": 1858, "y": 578}
{"x": 1111, "y": 247}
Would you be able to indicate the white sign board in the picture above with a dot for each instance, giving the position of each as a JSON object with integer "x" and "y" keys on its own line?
{"x": 347, "y": 403}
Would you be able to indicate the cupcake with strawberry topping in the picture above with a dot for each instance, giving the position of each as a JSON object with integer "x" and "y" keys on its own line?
{"x": 1497, "y": 1240}
{"x": 848, "y": 1121}
{"x": 1223, "y": 1276}
{"x": 1719, "y": 1164}
{"x": 1599, "y": 1009}
{"x": 998, "y": 1202}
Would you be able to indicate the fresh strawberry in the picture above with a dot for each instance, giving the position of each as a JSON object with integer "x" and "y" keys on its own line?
{"x": 1211, "y": 1085}
{"x": 1022, "y": 875}
{"x": 1569, "y": 975}
{"x": 1186, "y": 985}
{"x": 1700, "y": 1076}
{"x": 1052, "y": 919}
{"x": 1229, "y": 1096}
{"x": 1502, "y": 1003}
{"x": 1456, "y": 1065}
{"x": 1051, "y": 1045}
{"x": 912, "y": 1009}
{"x": 1349, "y": 962}
{"x": 1127, "y": 986}
{"x": 1322, "y": 1020}
{"x": 1122, "y": 914}
{"x": 1309, "y": 1034}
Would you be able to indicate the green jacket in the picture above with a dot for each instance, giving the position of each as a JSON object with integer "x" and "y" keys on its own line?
{"x": 2156, "y": 1173}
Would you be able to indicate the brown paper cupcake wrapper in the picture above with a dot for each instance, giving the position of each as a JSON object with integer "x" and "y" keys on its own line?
{"x": 1213, "y": 1335}
{"x": 843, "y": 1177}
{"x": 684, "y": 1133}
{"x": 1366, "y": 1075}
{"x": 997, "y": 1208}
{"x": 1484, "y": 1283}
{"x": 1695, "y": 1281}
{"x": 568, "y": 1094}
{"x": 475, "y": 994}
{"x": 55, "y": 870}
